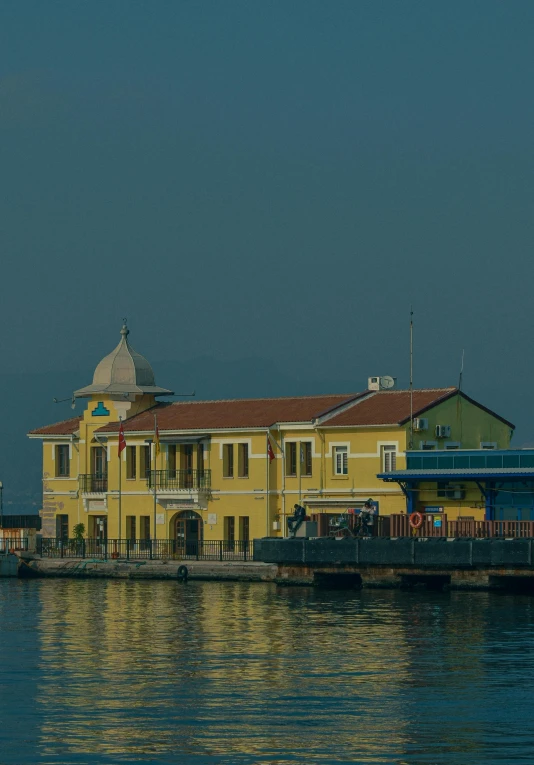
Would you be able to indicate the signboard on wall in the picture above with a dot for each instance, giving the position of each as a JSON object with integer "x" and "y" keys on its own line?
{"x": 433, "y": 509}
{"x": 160, "y": 519}
{"x": 212, "y": 519}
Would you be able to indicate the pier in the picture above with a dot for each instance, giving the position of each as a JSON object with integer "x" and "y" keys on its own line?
{"x": 404, "y": 561}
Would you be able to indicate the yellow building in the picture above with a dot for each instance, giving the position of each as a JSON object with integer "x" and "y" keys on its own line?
{"x": 210, "y": 473}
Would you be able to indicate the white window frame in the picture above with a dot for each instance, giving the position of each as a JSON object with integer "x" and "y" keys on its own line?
{"x": 452, "y": 445}
{"x": 387, "y": 450}
{"x": 341, "y": 450}
{"x": 488, "y": 445}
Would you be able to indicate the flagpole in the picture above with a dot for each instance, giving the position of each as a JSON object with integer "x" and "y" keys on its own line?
{"x": 267, "y": 463}
{"x": 300, "y": 472}
{"x": 155, "y": 466}
{"x": 120, "y": 489}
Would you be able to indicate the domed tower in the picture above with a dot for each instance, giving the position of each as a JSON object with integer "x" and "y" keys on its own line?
{"x": 124, "y": 376}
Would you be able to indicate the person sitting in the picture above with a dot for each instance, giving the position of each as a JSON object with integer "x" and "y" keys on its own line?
{"x": 299, "y": 514}
{"x": 367, "y": 514}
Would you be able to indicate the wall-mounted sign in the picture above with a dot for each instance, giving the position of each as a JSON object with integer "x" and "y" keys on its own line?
{"x": 212, "y": 519}
{"x": 95, "y": 504}
{"x": 160, "y": 519}
{"x": 434, "y": 509}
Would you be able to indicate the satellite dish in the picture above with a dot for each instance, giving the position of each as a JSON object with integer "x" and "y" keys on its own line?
{"x": 387, "y": 382}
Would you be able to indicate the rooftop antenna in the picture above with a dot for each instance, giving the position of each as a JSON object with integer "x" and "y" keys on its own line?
{"x": 461, "y": 371}
{"x": 459, "y": 397}
{"x": 411, "y": 378}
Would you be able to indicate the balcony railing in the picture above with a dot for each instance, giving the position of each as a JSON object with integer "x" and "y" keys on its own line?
{"x": 91, "y": 483}
{"x": 174, "y": 480}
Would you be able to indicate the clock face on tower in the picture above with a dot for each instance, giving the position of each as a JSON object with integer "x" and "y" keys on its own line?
{"x": 387, "y": 382}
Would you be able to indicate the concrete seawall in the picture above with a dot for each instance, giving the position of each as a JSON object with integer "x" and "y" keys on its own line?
{"x": 437, "y": 563}
{"x": 8, "y": 565}
{"x": 403, "y": 562}
{"x": 156, "y": 569}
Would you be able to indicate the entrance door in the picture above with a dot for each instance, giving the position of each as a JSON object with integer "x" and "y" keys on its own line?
{"x": 188, "y": 532}
{"x": 101, "y": 528}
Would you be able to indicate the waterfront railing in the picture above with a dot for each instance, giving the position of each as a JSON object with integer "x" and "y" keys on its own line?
{"x": 435, "y": 525}
{"x": 13, "y": 544}
{"x": 146, "y": 549}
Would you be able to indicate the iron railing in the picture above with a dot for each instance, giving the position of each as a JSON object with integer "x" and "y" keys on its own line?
{"x": 91, "y": 483}
{"x": 440, "y": 526}
{"x": 12, "y": 544}
{"x": 145, "y": 549}
{"x": 174, "y": 480}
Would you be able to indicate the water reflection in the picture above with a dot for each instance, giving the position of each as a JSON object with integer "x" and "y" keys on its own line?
{"x": 224, "y": 673}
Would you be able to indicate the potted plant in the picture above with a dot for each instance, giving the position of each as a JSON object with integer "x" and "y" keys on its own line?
{"x": 78, "y": 532}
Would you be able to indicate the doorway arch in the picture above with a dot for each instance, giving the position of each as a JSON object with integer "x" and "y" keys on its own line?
{"x": 188, "y": 531}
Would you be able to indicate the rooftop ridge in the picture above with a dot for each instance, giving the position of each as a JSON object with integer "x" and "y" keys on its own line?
{"x": 266, "y": 398}
{"x": 347, "y": 396}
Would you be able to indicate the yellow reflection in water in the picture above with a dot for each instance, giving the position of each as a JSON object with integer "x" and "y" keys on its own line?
{"x": 159, "y": 668}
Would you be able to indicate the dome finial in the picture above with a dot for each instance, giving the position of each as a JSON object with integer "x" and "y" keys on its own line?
{"x": 125, "y": 331}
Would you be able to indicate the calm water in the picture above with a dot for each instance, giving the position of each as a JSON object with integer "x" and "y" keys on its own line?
{"x": 205, "y": 673}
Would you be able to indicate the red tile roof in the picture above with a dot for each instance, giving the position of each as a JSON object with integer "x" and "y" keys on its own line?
{"x": 64, "y": 428}
{"x": 389, "y": 407}
{"x": 367, "y": 408}
{"x": 233, "y": 413}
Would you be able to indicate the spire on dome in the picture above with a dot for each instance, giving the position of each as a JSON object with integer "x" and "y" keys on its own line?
{"x": 123, "y": 371}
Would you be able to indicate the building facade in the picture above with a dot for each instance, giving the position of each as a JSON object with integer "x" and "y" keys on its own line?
{"x": 234, "y": 469}
{"x": 484, "y": 484}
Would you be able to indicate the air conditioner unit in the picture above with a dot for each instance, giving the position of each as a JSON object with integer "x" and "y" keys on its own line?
{"x": 420, "y": 423}
{"x": 443, "y": 431}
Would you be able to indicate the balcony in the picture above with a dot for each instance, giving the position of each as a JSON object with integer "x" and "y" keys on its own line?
{"x": 91, "y": 483}
{"x": 179, "y": 480}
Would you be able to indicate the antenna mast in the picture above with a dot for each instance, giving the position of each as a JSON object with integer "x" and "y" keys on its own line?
{"x": 411, "y": 378}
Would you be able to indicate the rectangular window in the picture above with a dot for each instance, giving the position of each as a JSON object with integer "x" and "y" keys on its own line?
{"x": 131, "y": 462}
{"x": 242, "y": 460}
{"x": 428, "y": 446}
{"x": 244, "y": 533}
{"x": 228, "y": 460}
{"x": 488, "y": 445}
{"x": 389, "y": 459}
{"x": 99, "y": 461}
{"x": 341, "y": 456}
{"x": 62, "y": 461}
{"x": 131, "y": 527}
{"x": 145, "y": 460}
{"x": 62, "y": 527}
{"x": 229, "y": 531}
{"x": 452, "y": 445}
{"x": 144, "y": 527}
{"x": 306, "y": 458}
{"x": 171, "y": 458}
{"x": 291, "y": 458}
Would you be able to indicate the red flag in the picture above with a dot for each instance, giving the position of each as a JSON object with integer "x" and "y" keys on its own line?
{"x": 122, "y": 440}
{"x": 270, "y": 452}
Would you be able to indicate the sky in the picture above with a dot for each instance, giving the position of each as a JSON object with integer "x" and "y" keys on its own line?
{"x": 271, "y": 180}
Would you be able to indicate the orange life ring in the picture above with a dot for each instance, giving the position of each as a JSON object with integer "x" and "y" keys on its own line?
{"x": 416, "y": 520}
